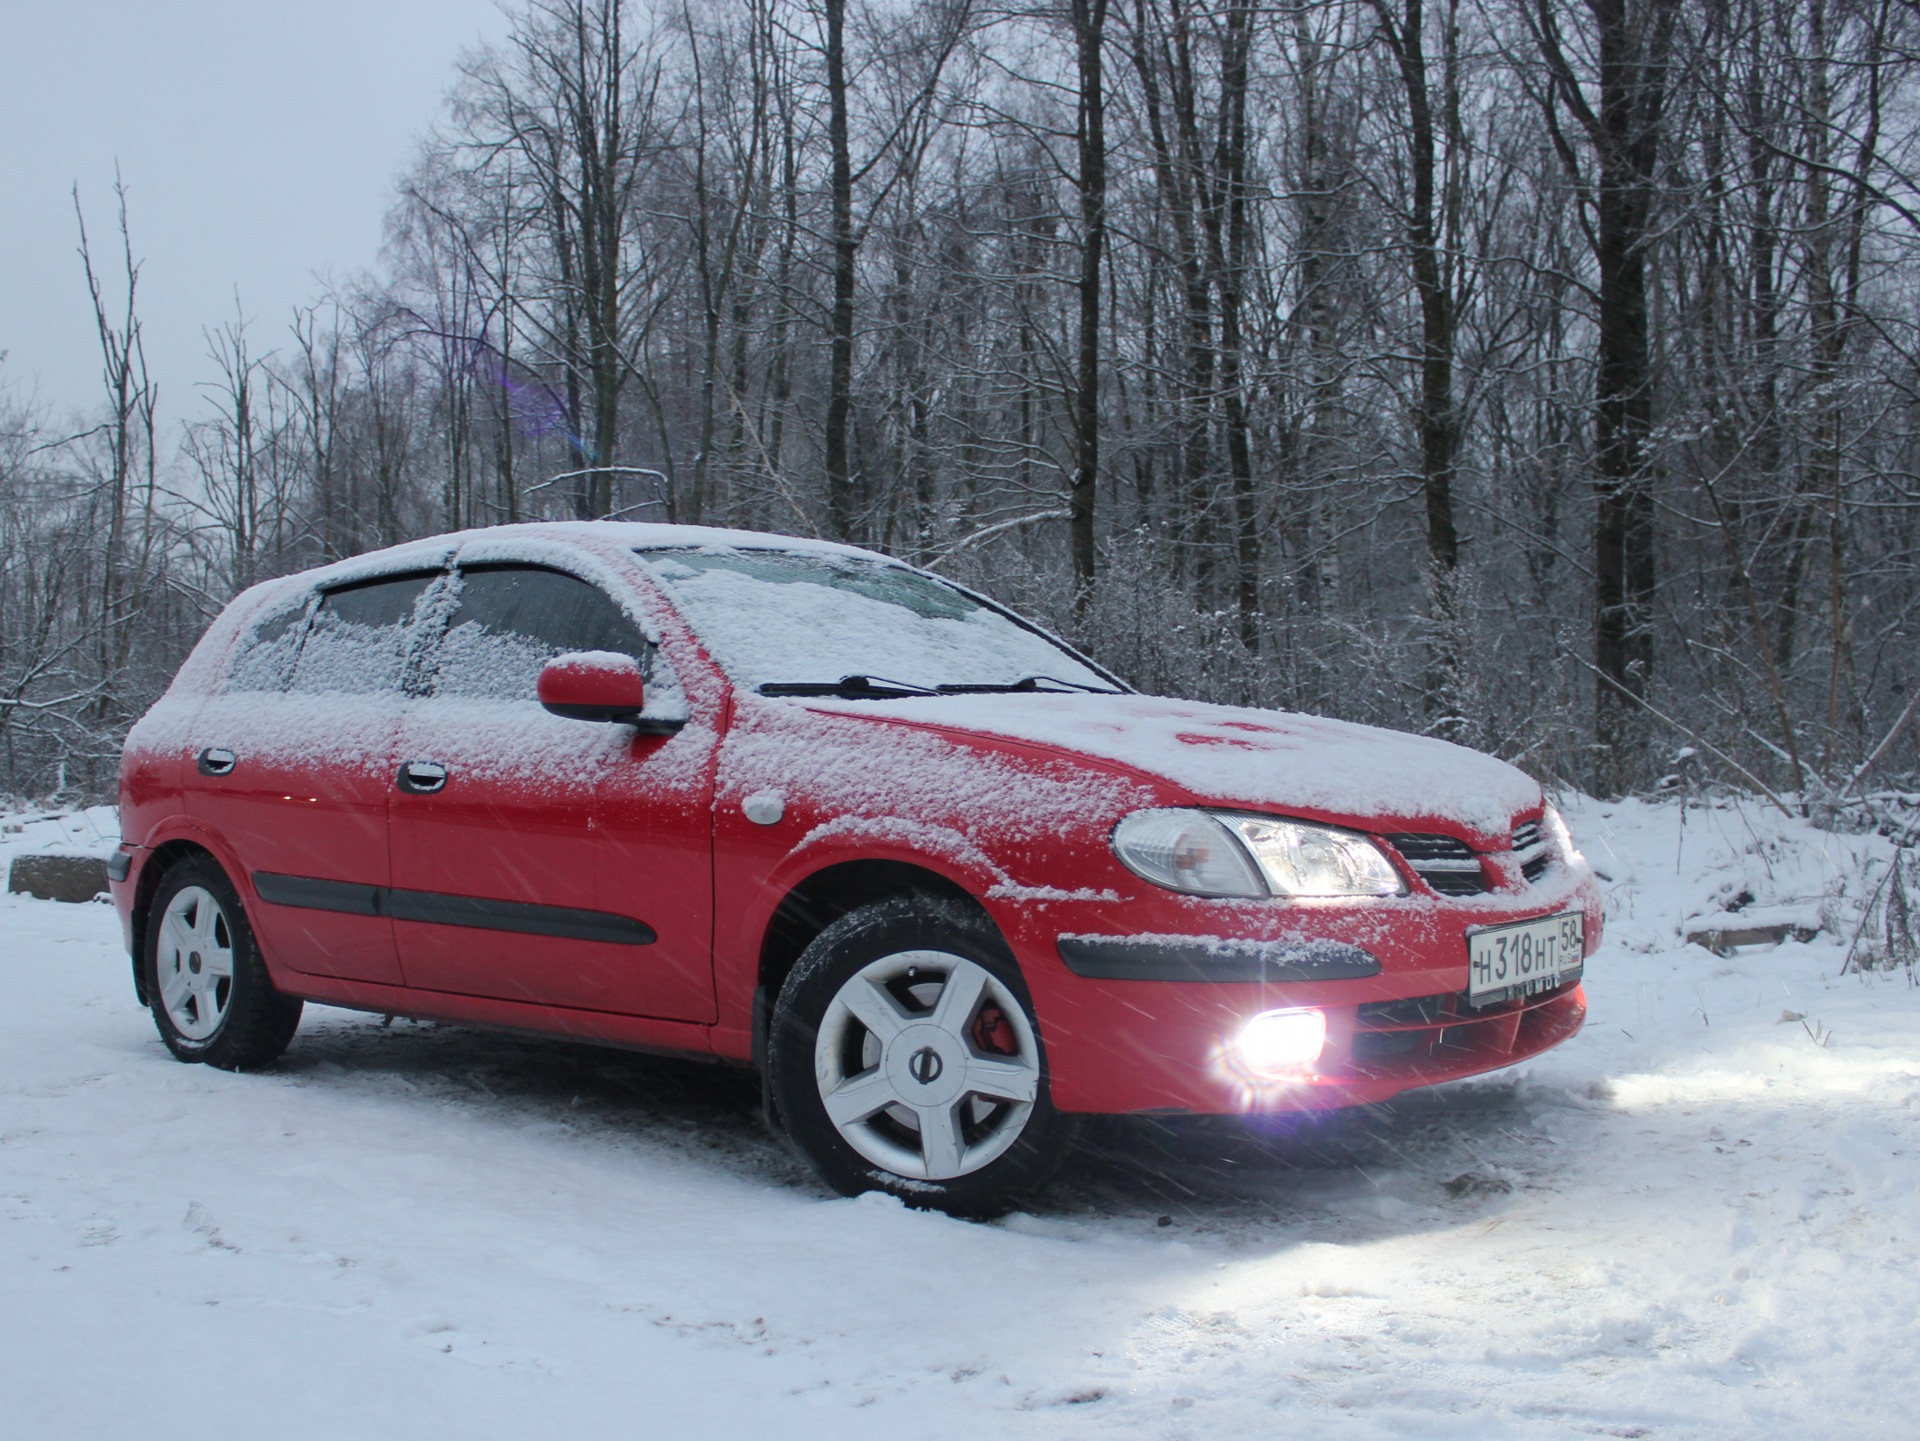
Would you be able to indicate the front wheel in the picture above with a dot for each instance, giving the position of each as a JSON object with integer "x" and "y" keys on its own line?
{"x": 904, "y": 1057}
{"x": 211, "y": 996}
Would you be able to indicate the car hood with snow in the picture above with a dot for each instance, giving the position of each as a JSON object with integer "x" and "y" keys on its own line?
{"x": 1232, "y": 755}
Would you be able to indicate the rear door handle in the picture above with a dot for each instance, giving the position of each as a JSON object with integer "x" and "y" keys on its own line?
{"x": 422, "y": 778}
{"x": 216, "y": 761}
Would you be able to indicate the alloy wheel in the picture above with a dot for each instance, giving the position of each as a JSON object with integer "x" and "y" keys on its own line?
{"x": 927, "y": 1064}
{"x": 195, "y": 963}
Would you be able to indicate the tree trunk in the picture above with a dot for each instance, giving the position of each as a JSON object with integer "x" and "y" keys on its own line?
{"x": 840, "y": 508}
{"x": 1089, "y": 31}
{"x": 1634, "y": 43}
{"x": 1438, "y": 421}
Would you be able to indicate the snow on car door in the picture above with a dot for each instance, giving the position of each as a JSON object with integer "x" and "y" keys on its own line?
{"x": 294, "y": 760}
{"x": 500, "y": 870}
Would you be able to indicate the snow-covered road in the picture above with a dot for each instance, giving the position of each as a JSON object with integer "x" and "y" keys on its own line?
{"x": 1693, "y": 1220}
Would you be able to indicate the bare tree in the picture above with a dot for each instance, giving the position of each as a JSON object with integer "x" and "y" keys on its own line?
{"x": 1436, "y": 364}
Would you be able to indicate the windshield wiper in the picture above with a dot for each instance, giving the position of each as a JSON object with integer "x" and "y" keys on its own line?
{"x": 877, "y": 687}
{"x": 1030, "y": 683}
{"x": 848, "y": 687}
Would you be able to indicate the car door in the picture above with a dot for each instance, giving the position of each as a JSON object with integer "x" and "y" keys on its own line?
{"x": 295, "y": 759}
{"x": 508, "y": 882}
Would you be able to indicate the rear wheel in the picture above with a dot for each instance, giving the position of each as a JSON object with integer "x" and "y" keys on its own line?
{"x": 904, "y": 1057}
{"x": 209, "y": 991}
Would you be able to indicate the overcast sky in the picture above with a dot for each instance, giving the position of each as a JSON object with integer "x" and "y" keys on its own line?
{"x": 259, "y": 140}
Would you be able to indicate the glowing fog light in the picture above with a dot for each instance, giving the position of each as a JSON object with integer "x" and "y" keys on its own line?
{"x": 1274, "y": 1043}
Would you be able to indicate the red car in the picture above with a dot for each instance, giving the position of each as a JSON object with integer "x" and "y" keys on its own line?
{"x": 945, "y": 881}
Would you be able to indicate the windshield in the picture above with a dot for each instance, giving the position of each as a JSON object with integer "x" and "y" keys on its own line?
{"x": 794, "y": 620}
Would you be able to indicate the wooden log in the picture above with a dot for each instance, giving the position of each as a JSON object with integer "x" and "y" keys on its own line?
{"x": 58, "y": 878}
{"x": 1725, "y": 940}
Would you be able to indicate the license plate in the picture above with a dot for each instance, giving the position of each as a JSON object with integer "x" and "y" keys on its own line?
{"x": 1504, "y": 962}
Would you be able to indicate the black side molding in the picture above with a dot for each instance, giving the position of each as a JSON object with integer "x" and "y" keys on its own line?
{"x": 521, "y": 916}
{"x": 1211, "y": 958}
{"x": 434, "y": 908}
{"x": 311, "y": 895}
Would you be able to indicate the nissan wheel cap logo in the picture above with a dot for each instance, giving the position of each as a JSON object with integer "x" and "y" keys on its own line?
{"x": 925, "y": 1065}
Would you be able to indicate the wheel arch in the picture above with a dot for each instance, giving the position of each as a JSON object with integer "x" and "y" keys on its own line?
{"x": 822, "y": 898}
{"x": 163, "y": 859}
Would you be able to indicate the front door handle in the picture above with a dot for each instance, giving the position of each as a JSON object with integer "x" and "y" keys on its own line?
{"x": 216, "y": 761}
{"x": 422, "y": 778}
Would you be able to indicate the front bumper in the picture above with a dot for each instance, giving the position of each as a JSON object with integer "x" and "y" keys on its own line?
{"x": 1120, "y": 1044}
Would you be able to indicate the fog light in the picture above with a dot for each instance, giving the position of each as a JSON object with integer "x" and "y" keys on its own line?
{"x": 1274, "y": 1043}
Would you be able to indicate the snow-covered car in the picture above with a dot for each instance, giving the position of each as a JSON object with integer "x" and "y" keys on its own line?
{"x": 945, "y": 881}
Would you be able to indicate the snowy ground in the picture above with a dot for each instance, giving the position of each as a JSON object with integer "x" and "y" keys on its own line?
{"x": 1696, "y": 1219}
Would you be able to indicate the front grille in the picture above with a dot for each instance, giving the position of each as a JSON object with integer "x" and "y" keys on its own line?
{"x": 1446, "y": 864}
{"x": 1394, "y": 1037}
{"x": 1420, "y": 1011}
{"x": 1531, "y": 850}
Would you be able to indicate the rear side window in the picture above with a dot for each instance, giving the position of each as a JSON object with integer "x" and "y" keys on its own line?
{"x": 357, "y": 643}
{"x": 265, "y": 657}
{"x": 509, "y": 621}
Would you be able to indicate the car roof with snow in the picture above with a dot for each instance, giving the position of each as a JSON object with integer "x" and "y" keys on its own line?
{"x": 594, "y": 535}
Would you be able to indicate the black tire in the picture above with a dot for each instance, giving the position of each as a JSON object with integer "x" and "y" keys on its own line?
{"x": 240, "y": 1025}
{"x": 1005, "y": 1146}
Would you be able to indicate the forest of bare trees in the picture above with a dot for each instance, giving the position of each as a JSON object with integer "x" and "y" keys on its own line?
{"x": 1543, "y": 374}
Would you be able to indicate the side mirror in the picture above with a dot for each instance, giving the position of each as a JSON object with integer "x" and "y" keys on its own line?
{"x": 593, "y": 685}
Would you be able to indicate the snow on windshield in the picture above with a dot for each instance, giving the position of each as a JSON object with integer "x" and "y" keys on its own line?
{"x": 772, "y": 616}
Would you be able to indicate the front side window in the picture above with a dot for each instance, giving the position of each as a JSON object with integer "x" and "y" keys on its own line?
{"x": 795, "y": 620}
{"x": 357, "y": 642}
{"x": 509, "y": 621}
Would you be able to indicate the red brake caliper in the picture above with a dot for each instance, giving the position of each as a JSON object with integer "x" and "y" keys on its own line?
{"x": 992, "y": 1031}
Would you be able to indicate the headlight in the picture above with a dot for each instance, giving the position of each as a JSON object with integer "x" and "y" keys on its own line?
{"x": 1555, "y": 826}
{"x": 1204, "y": 854}
{"x": 1304, "y": 860}
{"x": 1186, "y": 851}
